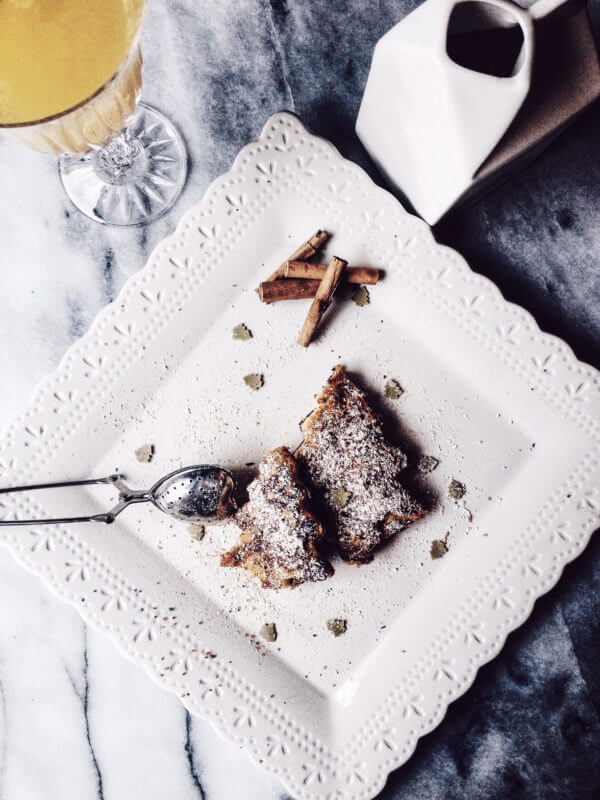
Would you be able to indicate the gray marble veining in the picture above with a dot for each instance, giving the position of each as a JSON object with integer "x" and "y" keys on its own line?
{"x": 78, "y": 721}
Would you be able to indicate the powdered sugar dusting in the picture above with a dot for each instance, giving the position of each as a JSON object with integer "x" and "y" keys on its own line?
{"x": 345, "y": 448}
{"x": 279, "y": 537}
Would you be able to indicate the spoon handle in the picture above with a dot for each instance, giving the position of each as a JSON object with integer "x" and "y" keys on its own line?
{"x": 126, "y": 497}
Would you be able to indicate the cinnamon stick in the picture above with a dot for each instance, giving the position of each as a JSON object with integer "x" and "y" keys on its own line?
{"x": 320, "y": 304}
{"x": 306, "y": 250}
{"x": 292, "y": 289}
{"x": 305, "y": 269}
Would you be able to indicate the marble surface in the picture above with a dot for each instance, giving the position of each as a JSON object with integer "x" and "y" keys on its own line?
{"x": 77, "y": 721}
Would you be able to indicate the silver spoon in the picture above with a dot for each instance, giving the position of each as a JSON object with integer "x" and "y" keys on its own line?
{"x": 193, "y": 494}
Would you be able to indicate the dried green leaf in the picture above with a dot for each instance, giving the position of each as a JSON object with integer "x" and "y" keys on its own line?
{"x": 427, "y": 464}
{"x": 341, "y": 496}
{"x": 196, "y": 531}
{"x": 254, "y": 380}
{"x": 438, "y": 549}
{"x": 393, "y": 390}
{"x": 242, "y": 332}
{"x": 337, "y": 626}
{"x": 361, "y": 297}
{"x": 268, "y": 632}
{"x": 145, "y": 453}
{"x": 456, "y": 489}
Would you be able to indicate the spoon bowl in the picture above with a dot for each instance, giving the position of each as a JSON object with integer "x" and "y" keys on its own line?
{"x": 195, "y": 493}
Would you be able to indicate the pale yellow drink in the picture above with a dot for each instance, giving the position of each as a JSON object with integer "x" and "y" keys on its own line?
{"x": 70, "y": 77}
{"x": 70, "y": 71}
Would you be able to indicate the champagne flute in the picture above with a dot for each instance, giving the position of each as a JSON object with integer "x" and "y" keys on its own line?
{"x": 70, "y": 79}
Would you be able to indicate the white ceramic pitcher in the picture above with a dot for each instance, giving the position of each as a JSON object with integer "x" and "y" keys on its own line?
{"x": 434, "y": 125}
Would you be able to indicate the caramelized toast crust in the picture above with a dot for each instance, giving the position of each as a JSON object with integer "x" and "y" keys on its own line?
{"x": 347, "y": 458}
{"x": 280, "y": 534}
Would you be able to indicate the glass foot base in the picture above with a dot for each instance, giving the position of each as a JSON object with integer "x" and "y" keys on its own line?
{"x": 135, "y": 178}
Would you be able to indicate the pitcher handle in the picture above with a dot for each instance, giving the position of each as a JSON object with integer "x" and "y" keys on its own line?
{"x": 522, "y": 73}
{"x": 543, "y": 8}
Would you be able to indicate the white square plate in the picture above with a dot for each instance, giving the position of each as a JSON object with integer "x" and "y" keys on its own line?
{"x": 506, "y": 409}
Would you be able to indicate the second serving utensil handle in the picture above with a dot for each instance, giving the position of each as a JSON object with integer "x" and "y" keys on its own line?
{"x": 126, "y": 497}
